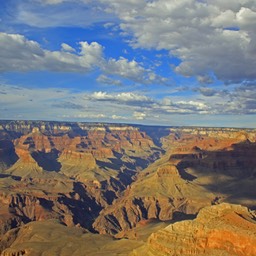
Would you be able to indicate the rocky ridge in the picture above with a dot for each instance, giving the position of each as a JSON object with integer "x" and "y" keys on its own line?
{"x": 196, "y": 171}
{"x": 110, "y": 178}
{"x": 67, "y": 171}
{"x": 223, "y": 229}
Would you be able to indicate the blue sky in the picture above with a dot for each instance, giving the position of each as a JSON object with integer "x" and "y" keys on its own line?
{"x": 185, "y": 62}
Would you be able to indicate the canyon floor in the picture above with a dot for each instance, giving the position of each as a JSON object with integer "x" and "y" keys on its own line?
{"x": 118, "y": 189}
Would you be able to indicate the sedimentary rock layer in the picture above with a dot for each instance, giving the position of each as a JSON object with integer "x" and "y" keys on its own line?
{"x": 223, "y": 229}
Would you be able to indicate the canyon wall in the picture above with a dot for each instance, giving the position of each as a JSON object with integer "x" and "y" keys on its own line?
{"x": 109, "y": 178}
{"x": 223, "y": 229}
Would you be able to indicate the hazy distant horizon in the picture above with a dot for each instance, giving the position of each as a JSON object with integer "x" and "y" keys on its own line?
{"x": 124, "y": 123}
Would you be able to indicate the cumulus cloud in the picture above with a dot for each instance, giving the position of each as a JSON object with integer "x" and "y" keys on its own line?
{"x": 125, "y": 68}
{"x": 21, "y": 54}
{"x": 132, "y": 70}
{"x": 67, "y": 48}
{"x": 211, "y": 39}
{"x": 207, "y": 36}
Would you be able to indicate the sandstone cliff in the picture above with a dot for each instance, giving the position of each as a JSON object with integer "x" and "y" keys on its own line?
{"x": 110, "y": 178}
{"x": 197, "y": 170}
{"x": 218, "y": 230}
{"x": 162, "y": 195}
{"x": 51, "y": 237}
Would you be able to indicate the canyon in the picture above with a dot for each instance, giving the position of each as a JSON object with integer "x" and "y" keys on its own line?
{"x": 121, "y": 189}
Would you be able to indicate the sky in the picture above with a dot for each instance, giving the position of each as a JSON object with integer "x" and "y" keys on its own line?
{"x": 155, "y": 62}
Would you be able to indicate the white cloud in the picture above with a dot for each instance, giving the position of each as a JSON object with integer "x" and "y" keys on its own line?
{"x": 108, "y": 80}
{"x": 211, "y": 37}
{"x": 240, "y": 101}
{"x": 208, "y": 36}
{"x": 117, "y": 117}
{"x": 193, "y": 105}
{"x": 139, "y": 115}
{"x": 59, "y": 13}
{"x": 188, "y": 106}
{"x": 125, "y": 68}
{"x": 56, "y": 104}
{"x": 90, "y": 116}
{"x": 132, "y": 70}
{"x": 67, "y": 48}
{"x": 20, "y": 54}
{"x": 246, "y": 17}
{"x": 124, "y": 97}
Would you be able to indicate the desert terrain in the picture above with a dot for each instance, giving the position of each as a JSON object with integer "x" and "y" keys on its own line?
{"x": 118, "y": 189}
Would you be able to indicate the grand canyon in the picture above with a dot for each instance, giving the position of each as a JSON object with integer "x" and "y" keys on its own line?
{"x": 71, "y": 188}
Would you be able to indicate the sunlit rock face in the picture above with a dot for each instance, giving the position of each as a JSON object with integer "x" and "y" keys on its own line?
{"x": 67, "y": 171}
{"x": 223, "y": 229}
{"x": 110, "y": 179}
{"x": 200, "y": 168}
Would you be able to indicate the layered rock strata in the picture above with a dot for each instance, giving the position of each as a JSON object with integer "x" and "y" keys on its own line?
{"x": 110, "y": 177}
{"x": 218, "y": 230}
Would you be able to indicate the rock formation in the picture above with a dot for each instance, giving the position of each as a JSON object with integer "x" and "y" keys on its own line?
{"x": 112, "y": 178}
{"x": 197, "y": 170}
{"x": 223, "y": 229}
{"x": 53, "y": 238}
{"x": 162, "y": 195}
